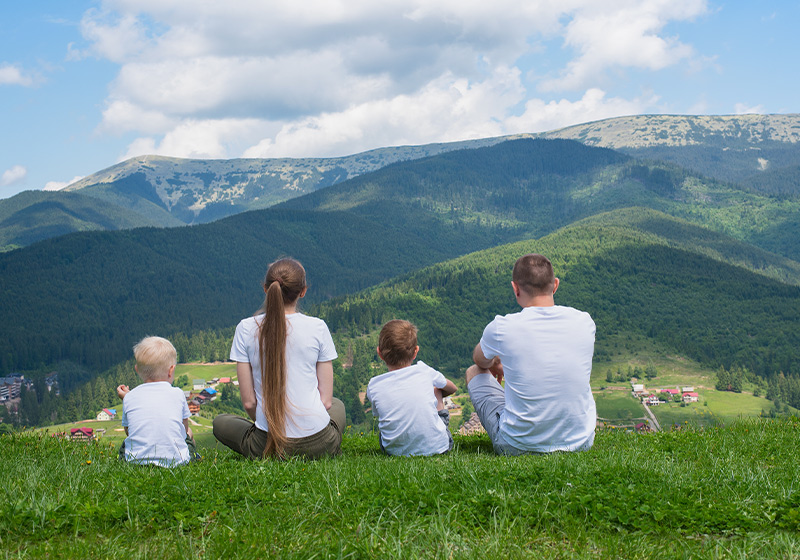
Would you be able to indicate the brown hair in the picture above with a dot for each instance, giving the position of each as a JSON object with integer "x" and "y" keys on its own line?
{"x": 154, "y": 356}
{"x": 285, "y": 281}
{"x": 534, "y": 275}
{"x": 397, "y": 342}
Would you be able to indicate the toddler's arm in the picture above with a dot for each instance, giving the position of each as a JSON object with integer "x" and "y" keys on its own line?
{"x": 122, "y": 390}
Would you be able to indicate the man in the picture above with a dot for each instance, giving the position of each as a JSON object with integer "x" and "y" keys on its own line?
{"x": 544, "y": 352}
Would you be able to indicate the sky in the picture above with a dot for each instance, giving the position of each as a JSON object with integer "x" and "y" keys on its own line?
{"x": 85, "y": 84}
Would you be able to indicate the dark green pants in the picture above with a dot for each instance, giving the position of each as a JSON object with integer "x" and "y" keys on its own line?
{"x": 241, "y": 435}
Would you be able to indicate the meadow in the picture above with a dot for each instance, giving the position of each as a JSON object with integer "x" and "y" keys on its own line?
{"x": 724, "y": 492}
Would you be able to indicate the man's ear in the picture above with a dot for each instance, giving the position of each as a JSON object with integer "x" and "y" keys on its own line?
{"x": 378, "y": 349}
{"x": 515, "y": 288}
{"x": 555, "y": 285}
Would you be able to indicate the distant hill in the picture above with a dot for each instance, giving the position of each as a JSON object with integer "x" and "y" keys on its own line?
{"x": 171, "y": 191}
{"x": 728, "y": 148}
{"x": 638, "y": 272}
{"x": 36, "y": 215}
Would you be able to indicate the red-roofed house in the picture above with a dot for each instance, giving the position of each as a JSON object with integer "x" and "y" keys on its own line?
{"x": 81, "y": 434}
{"x": 671, "y": 391}
{"x": 224, "y": 379}
{"x": 690, "y": 397}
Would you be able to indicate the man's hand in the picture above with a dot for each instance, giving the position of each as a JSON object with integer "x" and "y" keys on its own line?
{"x": 122, "y": 390}
{"x": 496, "y": 369}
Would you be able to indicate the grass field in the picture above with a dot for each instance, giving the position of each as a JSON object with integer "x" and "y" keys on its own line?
{"x": 723, "y": 492}
{"x": 618, "y": 406}
{"x": 205, "y": 372}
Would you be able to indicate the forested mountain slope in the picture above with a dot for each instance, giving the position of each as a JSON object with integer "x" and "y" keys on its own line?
{"x": 36, "y": 215}
{"x": 636, "y": 271}
{"x": 87, "y": 297}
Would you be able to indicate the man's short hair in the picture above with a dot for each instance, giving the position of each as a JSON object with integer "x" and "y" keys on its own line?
{"x": 533, "y": 274}
{"x": 398, "y": 342}
{"x": 154, "y": 356}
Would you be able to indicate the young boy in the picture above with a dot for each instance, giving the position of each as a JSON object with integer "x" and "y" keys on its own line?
{"x": 155, "y": 414}
{"x": 408, "y": 400}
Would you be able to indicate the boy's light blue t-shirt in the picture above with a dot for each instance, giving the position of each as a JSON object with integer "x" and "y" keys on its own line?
{"x": 154, "y": 414}
{"x": 405, "y": 405}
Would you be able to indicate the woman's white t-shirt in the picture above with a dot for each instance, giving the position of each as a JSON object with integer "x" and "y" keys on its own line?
{"x": 308, "y": 341}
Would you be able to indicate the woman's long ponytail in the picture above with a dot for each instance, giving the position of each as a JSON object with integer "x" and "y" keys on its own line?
{"x": 285, "y": 282}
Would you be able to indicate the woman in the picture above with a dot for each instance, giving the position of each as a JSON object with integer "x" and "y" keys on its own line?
{"x": 284, "y": 365}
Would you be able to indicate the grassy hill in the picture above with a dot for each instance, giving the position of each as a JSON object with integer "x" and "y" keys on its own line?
{"x": 719, "y": 493}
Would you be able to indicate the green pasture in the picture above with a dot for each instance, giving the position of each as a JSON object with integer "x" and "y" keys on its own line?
{"x": 618, "y": 406}
{"x": 205, "y": 371}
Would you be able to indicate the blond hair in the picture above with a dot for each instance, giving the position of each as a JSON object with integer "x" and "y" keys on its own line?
{"x": 154, "y": 356}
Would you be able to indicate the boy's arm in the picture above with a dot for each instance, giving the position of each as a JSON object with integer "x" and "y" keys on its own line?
{"x": 187, "y": 428}
{"x": 325, "y": 383}
{"x": 244, "y": 373}
{"x": 122, "y": 390}
{"x": 449, "y": 389}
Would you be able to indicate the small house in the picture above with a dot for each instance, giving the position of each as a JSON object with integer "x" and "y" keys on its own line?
{"x": 687, "y": 390}
{"x": 194, "y": 408}
{"x": 651, "y": 400}
{"x": 691, "y": 396}
{"x": 81, "y": 434}
{"x": 198, "y": 384}
{"x": 638, "y": 389}
{"x": 224, "y": 379}
{"x": 107, "y": 414}
{"x": 209, "y": 392}
{"x": 671, "y": 392}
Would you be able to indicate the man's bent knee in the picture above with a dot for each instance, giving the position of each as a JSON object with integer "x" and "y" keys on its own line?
{"x": 472, "y": 371}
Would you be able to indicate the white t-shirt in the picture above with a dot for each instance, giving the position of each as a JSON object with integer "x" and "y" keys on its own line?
{"x": 308, "y": 341}
{"x": 547, "y": 361}
{"x": 405, "y": 405}
{"x": 154, "y": 414}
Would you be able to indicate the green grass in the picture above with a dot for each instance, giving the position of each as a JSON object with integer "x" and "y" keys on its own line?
{"x": 205, "y": 372}
{"x": 723, "y": 492}
{"x": 618, "y": 406}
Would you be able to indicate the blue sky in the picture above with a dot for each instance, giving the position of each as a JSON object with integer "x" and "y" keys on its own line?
{"x": 86, "y": 84}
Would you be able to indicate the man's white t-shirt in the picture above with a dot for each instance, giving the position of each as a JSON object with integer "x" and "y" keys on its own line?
{"x": 154, "y": 414}
{"x": 405, "y": 405}
{"x": 308, "y": 341}
{"x": 546, "y": 354}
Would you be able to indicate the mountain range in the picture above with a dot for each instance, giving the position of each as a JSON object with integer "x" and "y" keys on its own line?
{"x": 758, "y": 152}
{"x": 87, "y": 297}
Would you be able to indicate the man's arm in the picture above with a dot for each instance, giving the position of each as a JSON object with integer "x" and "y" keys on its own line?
{"x": 493, "y": 365}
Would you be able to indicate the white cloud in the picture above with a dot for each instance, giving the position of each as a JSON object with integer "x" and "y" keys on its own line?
{"x": 744, "y": 109}
{"x": 13, "y": 176}
{"x": 541, "y": 116}
{"x": 201, "y": 139}
{"x": 58, "y": 185}
{"x": 331, "y": 77}
{"x": 625, "y": 34}
{"x": 12, "y": 75}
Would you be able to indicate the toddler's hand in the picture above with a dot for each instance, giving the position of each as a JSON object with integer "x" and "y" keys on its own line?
{"x": 122, "y": 390}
